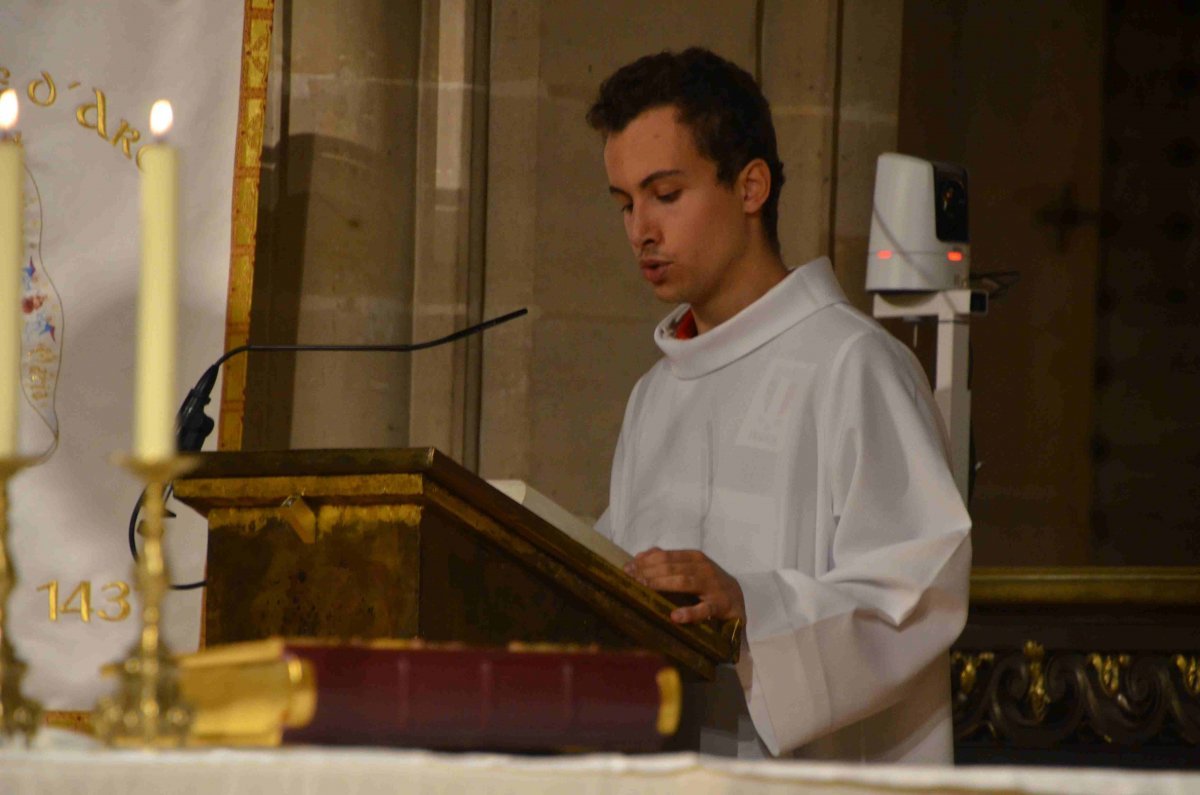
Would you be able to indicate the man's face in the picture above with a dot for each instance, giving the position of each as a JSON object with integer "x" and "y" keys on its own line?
{"x": 688, "y": 231}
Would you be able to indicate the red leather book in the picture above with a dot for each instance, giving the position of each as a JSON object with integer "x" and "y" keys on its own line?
{"x": 488, "y": 699}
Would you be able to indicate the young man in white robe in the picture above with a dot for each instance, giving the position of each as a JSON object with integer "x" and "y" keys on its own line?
{"x": 784, "y": 462}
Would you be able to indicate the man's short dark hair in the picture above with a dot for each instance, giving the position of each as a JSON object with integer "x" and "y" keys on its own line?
{"x": 728, "y": 115}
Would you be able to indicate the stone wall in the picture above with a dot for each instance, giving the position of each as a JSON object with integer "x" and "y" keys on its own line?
{"x": 334, "y": 261}
{"x": 554, "y": 388}
{"x": 430, "y": 166}
{"x": 397, "y": 205}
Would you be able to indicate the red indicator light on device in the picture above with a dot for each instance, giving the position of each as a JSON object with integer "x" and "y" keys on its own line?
{"x": 885, "y": 254}
{"x": 954, "y": 256}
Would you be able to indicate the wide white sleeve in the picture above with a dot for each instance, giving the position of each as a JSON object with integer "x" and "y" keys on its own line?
{"x": 830, "y": 650}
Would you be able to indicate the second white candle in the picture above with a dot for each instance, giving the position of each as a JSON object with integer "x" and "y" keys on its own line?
{"x": 154, "y": 391}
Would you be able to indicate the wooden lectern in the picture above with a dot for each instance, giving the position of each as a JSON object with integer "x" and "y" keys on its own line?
{"x": 406, "y": 543}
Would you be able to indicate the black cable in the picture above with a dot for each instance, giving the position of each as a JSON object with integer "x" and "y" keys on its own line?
{"x": 416, "y": 346}
{"x": 133, "y": 525}
{"x": 193, "y": 425}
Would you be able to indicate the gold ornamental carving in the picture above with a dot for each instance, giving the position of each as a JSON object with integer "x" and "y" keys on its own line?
{"x": 1108, "y": 671}
{"x": 1036, "y": 696}
{"x": 1189, "y": 667}
{"x": 1031, "y": 698}
{"x": 968, "y": 668}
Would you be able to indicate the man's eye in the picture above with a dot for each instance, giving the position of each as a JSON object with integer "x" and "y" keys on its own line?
{"x": 626, "y": 208}
{"x": 667, "y": 198}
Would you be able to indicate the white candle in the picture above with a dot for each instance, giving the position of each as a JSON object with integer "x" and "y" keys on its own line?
{"x": 154, "y": 391}
{"x": 12, "y": 227}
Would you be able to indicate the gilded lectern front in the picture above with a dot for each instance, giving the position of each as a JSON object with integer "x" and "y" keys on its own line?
{"x": 406, "y": 543}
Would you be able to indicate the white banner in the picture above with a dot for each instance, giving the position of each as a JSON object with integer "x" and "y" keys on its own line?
{"x": 87, "y": 74}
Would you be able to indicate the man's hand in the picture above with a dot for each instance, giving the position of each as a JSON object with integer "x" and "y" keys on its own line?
{"x": 690, "y": 571}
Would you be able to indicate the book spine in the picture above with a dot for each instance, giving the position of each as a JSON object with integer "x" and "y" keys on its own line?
{"x": 483, "y": 699}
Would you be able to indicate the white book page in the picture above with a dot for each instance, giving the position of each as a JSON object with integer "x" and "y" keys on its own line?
{"x": 564, "y": 520}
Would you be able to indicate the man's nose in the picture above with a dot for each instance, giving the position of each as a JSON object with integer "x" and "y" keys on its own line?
{"x": 643, "y": 229}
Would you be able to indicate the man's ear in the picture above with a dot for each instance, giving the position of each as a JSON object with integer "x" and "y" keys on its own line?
{"x": 754, "y": 184}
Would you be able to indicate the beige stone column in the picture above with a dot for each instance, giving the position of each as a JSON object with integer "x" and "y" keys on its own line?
{"x": 555, "y": 386}
{"x": 335, "y": 260}
{"x": 799, "y": 76}
{"x": 445, "y": 184}
{"x": 506, "y": 421}
{"x": 866, "y": 124}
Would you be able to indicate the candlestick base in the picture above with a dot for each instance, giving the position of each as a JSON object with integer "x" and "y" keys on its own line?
{"x": 147, "y": 709}
{"x": 20, "y": 716}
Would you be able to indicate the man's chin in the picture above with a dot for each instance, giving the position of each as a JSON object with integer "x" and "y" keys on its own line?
{"x": 669, "y": 293}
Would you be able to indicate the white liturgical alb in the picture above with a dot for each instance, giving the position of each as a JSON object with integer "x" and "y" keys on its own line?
{"x": 797, "y": 445}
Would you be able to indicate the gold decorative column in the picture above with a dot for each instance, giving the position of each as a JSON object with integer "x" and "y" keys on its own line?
{"x": 18, "y": 714}
{"x": 147, "y": 710}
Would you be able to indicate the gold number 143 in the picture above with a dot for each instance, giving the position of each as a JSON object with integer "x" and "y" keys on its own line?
{"x": 115, "y": 595}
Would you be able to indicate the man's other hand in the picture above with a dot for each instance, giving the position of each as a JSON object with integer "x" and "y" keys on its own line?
{"x": 690, "y": 571}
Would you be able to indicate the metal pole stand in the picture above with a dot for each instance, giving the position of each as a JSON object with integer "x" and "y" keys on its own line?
{"x": 953, "y": 310}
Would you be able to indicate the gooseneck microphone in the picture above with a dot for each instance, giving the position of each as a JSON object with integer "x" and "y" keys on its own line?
{"x": 193, "y": 425}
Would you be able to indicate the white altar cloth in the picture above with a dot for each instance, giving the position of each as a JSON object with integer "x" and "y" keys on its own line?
{"x": 315, "y": 771}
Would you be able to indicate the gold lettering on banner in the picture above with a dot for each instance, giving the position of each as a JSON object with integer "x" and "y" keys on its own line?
{"x": 52, "y": 587}
{"x": 121, "y": 600}
{"x": 51, "y": 90}
{"x": 84, "y": 592}
{"x": 117, "y": 607}
{"x": 100, "y": 106}
{"x": 125, "y": 135}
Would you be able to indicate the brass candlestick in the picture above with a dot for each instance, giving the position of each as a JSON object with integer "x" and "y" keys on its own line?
{"x": 147, "y": 710}
{"x": 18, "y": 714}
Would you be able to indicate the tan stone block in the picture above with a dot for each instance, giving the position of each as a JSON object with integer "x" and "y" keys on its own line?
{"x": 870, "y": 57}
{"x": 376, "y": 38}
{"x": 805, "y": 146}
{"x": 799, "y": 57}
{"x": 582, "y": 42}
{"x": 584, "y": 369}
{"x": 585, "y": 264}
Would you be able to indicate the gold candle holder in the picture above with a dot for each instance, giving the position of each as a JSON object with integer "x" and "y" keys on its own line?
{"x": 19, "y": 715}
{"x": 147, "y": 709}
